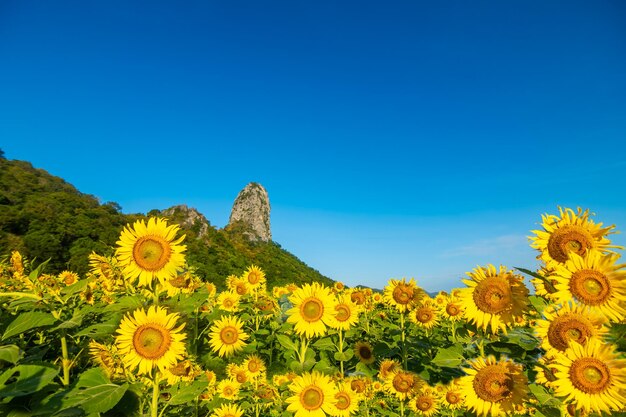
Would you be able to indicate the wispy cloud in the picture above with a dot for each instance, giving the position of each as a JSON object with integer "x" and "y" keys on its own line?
{"x": 489, "y": 246}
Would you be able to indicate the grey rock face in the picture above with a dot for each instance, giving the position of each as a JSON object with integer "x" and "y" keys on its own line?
{"x": 252, "y": 208}
{"x": 190, "y": 218}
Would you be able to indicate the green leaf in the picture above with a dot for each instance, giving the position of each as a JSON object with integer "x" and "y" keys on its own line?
{"x": 187, "y": 392}
{"x": 543, "y": 396}
{"x": 346, "y": 355}
{"x": 27, "y": 321}
{"x": 10, "y": 353}
{"x": 98, "y": 330}
{"x": 27, "y": 379}
{"x": 96, "y": 399}
{"x": 286, "y": 342}
{"x": 450, "y": 357}
{"x": 130, "y": 302}
{"x": 92, "y": 377}
{"x": 325, "y": 343}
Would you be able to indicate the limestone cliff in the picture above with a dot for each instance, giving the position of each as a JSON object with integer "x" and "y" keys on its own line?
{"x": 252, "y": 210}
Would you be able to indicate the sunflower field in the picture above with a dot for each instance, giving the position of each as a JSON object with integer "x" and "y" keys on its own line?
{"x": 142, "y": 335}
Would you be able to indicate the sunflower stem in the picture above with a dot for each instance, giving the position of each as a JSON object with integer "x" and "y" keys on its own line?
{"x": 404, "y": 352}
{"x": 65, "y": 361}
{"x": 341, "y": 351}
{"x": 402, "y": 408}
{"x": 304, "y": 344}
{"x": 154, "y": 409}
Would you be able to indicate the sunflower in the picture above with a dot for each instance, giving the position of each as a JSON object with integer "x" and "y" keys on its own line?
{"x": 493, "y": 387}
{"x": 364, "y": 352}
{"x": 346, "y": 400}
{"x": 569, "y": 233}
{"x": 106, "y": 358}
{"x": 426, "y": 402}
{"x": 425, "y": 314}
{"x": 228, "y": 389}
{"x": 452, "y": 395}
{"x": 227, "y": 336}
{"x": 254, "y": 277}
{"x": 238, "y": 373}
{"x": 148, "y": 340}
{"x": 184, "y": 283}
{"x": 228, "y": 410}
{"x": 68, "y": 277}
{"x": 182, "y": 371}
{"x": 228, "y": 301}
{"x": 254, "y": 366}
{"x": 313, "y": 395}
{"x": 592, "y": 377}
{"x": 313, "y": 309}
{"x": 452, "y": 309}
{"x": 346, "y": 313}
{"x": 402, "y": 295}
{"x": 402, "y": 384}
{"x": 545, "y": 371}
{"x": 568, "y": 322}
{"x": 494, "y": 298}
{"x": 387, "y": 366}
{"x": 595, "y": 281}
{"x": 150, "y": 251}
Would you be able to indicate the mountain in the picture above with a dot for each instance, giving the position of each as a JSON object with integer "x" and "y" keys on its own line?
{"x": 44, "y": 217}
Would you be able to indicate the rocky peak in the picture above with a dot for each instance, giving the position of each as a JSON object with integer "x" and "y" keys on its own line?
{"x": 188, "y": 217}
{"x": 252, "y": 208}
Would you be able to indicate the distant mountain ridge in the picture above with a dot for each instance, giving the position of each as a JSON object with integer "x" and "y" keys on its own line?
{"x": 44, "y": 217}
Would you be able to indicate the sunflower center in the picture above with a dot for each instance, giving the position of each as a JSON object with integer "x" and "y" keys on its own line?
{"x": 241, "y": 377}
{"x": 241, "y": 289}
{"x": 452, "y": 397}
{"x": 403, "y": 382}
{"x": 424, "y": 403}
{"x": 590, "y": 287}
{"x": 493, "y": 295}
{"x": 570, "y": 238}
{"x": 424, "y": 315}
{"x": 342, "y": 312}
{"x": 312, "y": 309}
{"x": 365, "y": 352}
{"x": 254, "y": 366}
{"x": 228, "y": 303}
{"x": 566, "y": 328}
{"x": 402, "y": 294}
{"x": 151, "y": 341}
{"x": 151, "y": 252}
{"x": 342, "y": 401}
{"x": 590, "y": 375}
{"x": 493, "y": 384}
{"x": 229, "y": 335}
{"x": 254, "y": 277}
{"x": 452, "y": 309}
{"x": 312, "y": 397}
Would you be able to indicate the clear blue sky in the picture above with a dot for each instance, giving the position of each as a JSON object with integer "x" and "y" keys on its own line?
{"x": 415, "y": 139}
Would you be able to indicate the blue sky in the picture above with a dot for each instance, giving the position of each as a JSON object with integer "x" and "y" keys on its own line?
{"x": 394, "y": 138}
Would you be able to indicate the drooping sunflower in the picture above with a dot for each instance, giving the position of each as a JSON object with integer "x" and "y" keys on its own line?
{"x": 594, "y": 280}
{"x": 313, "y": 309}
{"x": 228, "y": 301}
{"x": 150, "y": 251}
{"x": 402, "y": 295}
{"x": 426, "y": 402}
{"x": 494, "y": 298}
{"x": 313, "y": 395}
{"x": 346, "y": 400}
{"x": 425, "y": 314}
{"x": 387, "y": 366}
{"x": 228, "y": 410}
{"x": 149, "y": 340}
{"x": 184, "y": 283}
{"x": 591, "y": 377}
{"x": 364, "y": 352}
{"x": 346, "y": 313}
{"x": 569, "y": 233}
{"x": 227, "y": 336}
{"x": 545, "y": 371}
{"x": 106, "y": 358}
{"x": 568, "y": 322}
{"x": 254, "y": 277}
{"x": 182, "y": 371}
{"x": 493, "y": 387}
{"x": 402, "y": 384}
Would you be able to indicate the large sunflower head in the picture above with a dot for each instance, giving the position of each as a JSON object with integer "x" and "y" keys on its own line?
{"x": 594, "y": 280}
{"x": 591, "y": 377}
{"x": 149, "y": 340}
{"x": 313, "y": 309}
{"x": 346, "y": 400}
{"x": 228, "y": 301}
{"x": 254, "y": 366}
{"x": 346, "y": 313}
{"x": 426, "y": 402}
{"x": 228, "y": 389}
{"x": 493, "y": 387}
{"x": 569, "y": 322}
{"x": 313, "y": 395}
{"x": 494, "y": 298}
{"x": 227, "y": 336}
{"x": 402, "y": 295}
{"x": 567, "y": 233}
{"x": 254, "y": 277}
{"x": 150, "y": 251}
{"x": 425, "y": 314}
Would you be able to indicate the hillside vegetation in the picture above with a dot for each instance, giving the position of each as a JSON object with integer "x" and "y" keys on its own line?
{"x": 44, "y": 217}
